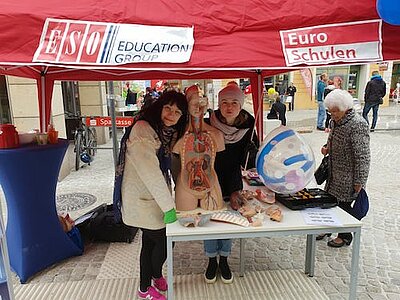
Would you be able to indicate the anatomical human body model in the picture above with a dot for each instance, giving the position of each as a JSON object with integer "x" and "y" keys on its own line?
{"x": 197, "y": 182}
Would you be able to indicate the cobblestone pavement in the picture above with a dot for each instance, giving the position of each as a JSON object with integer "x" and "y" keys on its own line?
{"x": 379, "y": 276}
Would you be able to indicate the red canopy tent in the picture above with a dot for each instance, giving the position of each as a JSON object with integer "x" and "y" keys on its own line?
{"x": 239, "y": 39}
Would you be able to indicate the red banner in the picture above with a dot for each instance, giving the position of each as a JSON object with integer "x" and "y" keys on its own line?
{"x": 106, "y": 121}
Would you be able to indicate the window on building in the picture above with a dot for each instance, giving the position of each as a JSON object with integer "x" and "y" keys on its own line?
{"x": 346, "y": 78}
{"x": 354, "y": 77}
{"x": 395, "y": 75}
{"x": 5, "y": 113}
{"x": 268, "y": 82}
{"x": 279, "y": 82}
{"x": 72, "y": 108}
{"x": 339, "y": 75}
{"x": 70, "y": 92}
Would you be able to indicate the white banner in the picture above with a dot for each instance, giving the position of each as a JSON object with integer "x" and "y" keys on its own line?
{"x": 98, "y": 43}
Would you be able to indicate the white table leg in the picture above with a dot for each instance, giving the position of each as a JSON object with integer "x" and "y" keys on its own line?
{"x": 310, "y": 255}
{"x": 354, "y": 265}
{"x": 307, "y": 260}
{"x": 241, "y": 258}
{"x": 170, "y": 269}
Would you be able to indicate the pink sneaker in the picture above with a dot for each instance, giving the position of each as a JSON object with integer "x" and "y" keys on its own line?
{"x": 160, "y": 284}
{"x": 151, "y": 294}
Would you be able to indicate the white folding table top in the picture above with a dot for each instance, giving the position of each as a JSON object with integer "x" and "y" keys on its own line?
{"x": 292, "y": 220}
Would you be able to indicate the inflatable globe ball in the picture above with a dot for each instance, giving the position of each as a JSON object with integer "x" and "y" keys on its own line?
{"x": 285, "y": 162}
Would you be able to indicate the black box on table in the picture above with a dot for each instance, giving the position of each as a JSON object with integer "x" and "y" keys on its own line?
{"x": 307, "y": 198}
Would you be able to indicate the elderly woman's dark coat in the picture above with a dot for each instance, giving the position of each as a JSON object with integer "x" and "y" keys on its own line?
{"x": 349, "y": 156}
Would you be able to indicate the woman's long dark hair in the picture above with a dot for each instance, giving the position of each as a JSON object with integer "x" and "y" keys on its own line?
{"x": 152, "y": 114}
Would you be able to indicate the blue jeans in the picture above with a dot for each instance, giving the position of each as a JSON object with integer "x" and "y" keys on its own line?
{"x": 367, "y": 108}
{"x": 321, "y": 114}
{"x": 218, "y": 247}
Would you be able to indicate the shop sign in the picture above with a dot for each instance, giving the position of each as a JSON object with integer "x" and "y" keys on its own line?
{"x": 106, "y": 121}
{"x": 341, "y": 42}
{"x": 99, "y": 43}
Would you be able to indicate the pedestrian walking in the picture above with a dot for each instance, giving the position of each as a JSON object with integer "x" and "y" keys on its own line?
{"x": 373, "y": 97}
{"x": 320, "y": 99}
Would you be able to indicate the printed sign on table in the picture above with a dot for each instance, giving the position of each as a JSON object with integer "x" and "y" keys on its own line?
{"x": 98, "y": 43}
{"x": 320, "y": 216}
{"x": 341, "y": 42}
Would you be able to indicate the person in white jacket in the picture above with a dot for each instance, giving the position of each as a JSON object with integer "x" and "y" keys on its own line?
{"x": 147, "y": 202}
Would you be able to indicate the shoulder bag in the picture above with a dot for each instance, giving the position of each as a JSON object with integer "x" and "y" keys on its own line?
{"x": 321, "y": 174}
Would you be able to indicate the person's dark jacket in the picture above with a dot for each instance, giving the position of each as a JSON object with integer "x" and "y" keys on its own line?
{"x": 375, "y": 90}
{"x": 291, "y": 90}
{"x": 278, "y": 111}
{"x": 130, "y": 97}
{"x": 228, "y": 163}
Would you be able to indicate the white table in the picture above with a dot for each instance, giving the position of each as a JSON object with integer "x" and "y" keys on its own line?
{"x": 292, "y": 224}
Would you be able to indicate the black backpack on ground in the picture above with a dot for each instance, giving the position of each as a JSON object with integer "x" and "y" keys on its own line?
{"x": 100, "y": 226}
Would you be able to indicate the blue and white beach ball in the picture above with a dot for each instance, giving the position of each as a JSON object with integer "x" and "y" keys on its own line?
{"x": 285, "y": 162}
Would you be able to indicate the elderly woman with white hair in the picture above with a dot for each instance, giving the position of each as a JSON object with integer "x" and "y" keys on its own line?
{"x": 349, "y": 155}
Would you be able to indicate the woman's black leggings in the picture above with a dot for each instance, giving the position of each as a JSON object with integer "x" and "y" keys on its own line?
{"x": 152, "y": 256}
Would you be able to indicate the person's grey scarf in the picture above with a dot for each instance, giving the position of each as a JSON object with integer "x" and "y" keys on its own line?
{"x": 231, "y": 133}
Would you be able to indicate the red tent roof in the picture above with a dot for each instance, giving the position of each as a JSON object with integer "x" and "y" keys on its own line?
{"x": 234, "y": 39}
{"x": 239, "y": 35}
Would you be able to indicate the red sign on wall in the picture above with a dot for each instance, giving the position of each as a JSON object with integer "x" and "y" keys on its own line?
{"x": 106, "y": 121}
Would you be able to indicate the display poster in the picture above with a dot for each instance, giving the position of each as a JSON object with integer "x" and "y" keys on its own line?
{"x": 99, "y": 43}
{"x": 325, "y": 44}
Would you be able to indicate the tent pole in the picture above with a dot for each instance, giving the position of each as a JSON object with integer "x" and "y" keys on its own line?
{"x": 260, "y": 112}
{"x": 42, "y": 116}
{"x": 111, "y": 105}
